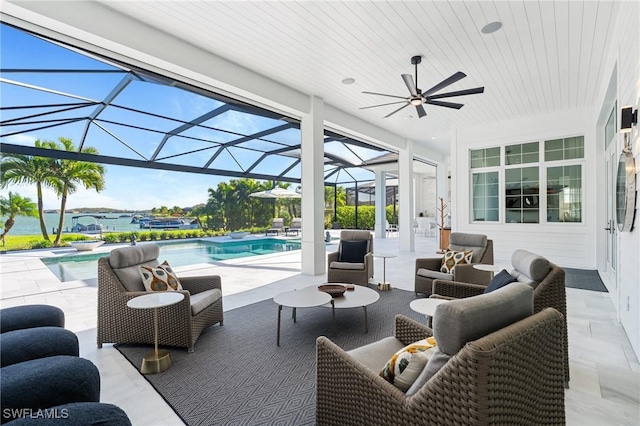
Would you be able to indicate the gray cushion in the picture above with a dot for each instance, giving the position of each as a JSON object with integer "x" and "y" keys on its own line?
{"x": 347, "y": 265}
{"x": 463, "y": 320}
{"x": 202, "y": 300}
{"x": 136, "y": 255}
{"x": 436, "y": 275}
{"x": 126, "y": 262}
{"x": 529, "y": 266}
{"x": 460, "y": 241}
{"x": 375, "y": 355}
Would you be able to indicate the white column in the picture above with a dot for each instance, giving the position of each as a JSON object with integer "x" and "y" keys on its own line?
{"x": 381, "y": 204}
{"x": 405, "y": 189}
{"x": 314, "y": 256}
{"x": 418, "y": 194}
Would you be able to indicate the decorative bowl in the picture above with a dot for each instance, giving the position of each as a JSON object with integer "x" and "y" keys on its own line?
{"x": 238, "y": 235}
{"x": 334, "y": 290}
{"x": 86, "y": 245}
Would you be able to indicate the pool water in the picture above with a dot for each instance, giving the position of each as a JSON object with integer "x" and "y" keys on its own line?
{"x": 180, "y": 253}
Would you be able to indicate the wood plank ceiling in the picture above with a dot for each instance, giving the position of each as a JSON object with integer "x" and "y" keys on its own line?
{"x": 548, "y": 57}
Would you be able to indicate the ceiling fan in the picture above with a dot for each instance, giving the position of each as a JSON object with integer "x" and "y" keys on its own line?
{"x": 417, "y": 97}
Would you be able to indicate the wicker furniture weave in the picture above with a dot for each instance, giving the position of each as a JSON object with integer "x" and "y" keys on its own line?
{"x": 118, "y": 323}
{"x": 464, "y": 273}
{"x": 512, "y": 376}
{"x": 359, "y": 273}
{"x": 550, "y": 292}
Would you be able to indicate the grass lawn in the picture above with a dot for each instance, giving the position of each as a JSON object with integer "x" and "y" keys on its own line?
{"x": 28, "y": 242}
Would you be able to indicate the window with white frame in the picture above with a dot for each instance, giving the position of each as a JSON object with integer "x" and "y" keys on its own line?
{"x": 528, "y": 174}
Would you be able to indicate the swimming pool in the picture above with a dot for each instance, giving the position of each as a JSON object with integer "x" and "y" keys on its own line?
{"x": 179, "y": 253}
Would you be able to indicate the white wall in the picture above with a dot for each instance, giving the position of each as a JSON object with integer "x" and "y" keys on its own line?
{"x": 566, "y": 244}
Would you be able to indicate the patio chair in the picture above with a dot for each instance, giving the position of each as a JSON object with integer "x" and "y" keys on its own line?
{"x": 277, "y": 225}
{"x": 428, "y": 269}
{"x": 180, "y": 324}
{"x": 494, "y": 363}
{"x": 353, "y": 262}
{"x": 546, "y": 279}
{"x": 296, "y": 226}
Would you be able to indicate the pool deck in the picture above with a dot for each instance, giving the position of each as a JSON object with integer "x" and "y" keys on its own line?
{"x": 604, "y": 371}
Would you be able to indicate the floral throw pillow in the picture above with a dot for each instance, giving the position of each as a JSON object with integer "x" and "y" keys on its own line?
{"x": 160, "y": 278}
{"x": 452, "y": 258}
{"x": 405, "y": 366}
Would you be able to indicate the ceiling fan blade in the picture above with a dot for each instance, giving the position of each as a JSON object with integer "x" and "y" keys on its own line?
{"x": 444, "y": 83}
{"x": 390, "y": 103}
{"x": 403, "y": 106}
{"x": 421, "y": 111}
{"x": 473, "y": 91}
{"x": 408, "y": 80}
{"x": 383, "y": 94}
{"x": 444, "y": 104}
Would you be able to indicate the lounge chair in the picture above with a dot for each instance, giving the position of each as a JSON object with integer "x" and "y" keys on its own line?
{"x": 276, "y": 226}
{"x": 296, "y": 226}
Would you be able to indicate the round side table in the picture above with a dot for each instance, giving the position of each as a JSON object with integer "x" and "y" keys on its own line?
{"x": 158, "y": 360}
{"x": 384, "y": 285}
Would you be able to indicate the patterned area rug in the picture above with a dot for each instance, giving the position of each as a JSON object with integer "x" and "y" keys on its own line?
{"x": 238, "y": 376}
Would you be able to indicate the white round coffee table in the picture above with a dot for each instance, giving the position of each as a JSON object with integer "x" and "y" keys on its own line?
{"x": 307, "y": 297}
{"x": 158, "y": 360}
{"x": 360, "y": 296}
{"x": 426, "y": 307}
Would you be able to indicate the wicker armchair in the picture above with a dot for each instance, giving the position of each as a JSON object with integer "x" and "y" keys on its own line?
{"x": 179, "y": 325}
{"x": 546, "y": 278}
{"x": 351, "y": 272}
{"x": 505, "y": 377}
{"x": 428, "y": 269}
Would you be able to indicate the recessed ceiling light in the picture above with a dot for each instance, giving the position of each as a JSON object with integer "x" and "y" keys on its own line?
{"x": 491, "y": 27}
{"x": 433, "y": 137}
{"x": 349, "y": 80}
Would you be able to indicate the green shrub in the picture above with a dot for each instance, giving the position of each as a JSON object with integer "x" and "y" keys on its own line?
{"x": 42, "y": 243}
{"x": 153, "y": 236}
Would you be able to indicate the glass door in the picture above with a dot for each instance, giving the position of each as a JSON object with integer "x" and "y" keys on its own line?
{"x": 610, "y": 226}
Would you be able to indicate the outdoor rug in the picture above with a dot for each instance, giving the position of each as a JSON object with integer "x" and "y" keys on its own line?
{"x": 238, "y": 376}
{"x": 584, "y": 279}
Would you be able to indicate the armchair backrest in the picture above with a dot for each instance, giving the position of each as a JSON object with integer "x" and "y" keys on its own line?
{"x": 126, "y": 262}
{"x": 481, "y": 246}
{"x": 358, "y": 235}
{"x": 296, "y": 223}
{"x": 464, "y": 320}
{"x": 277, "y": 223}
{"x": 529, "y": 268}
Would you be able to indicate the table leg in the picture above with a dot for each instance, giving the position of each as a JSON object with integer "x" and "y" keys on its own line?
{"x": 278, "y": 338}
{"x": 333, "y": 314}
{"x": 158, "y": 360}
{"x": 384, "y": 270}
{"x": 293, "y": 314}
{"x": 366, "y": 322}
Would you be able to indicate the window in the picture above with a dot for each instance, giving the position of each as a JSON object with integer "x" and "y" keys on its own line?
{"x": 564, "y": 194}
{"x": 522, "y": 191}
{"x": 485, "y": 157}
{"x": 485, "y": 193}
{"x": 551, "y": 169}
{"x": 564, "y": 149}
{"x": 521, "y": 154}
{"x": 610, "y": 127}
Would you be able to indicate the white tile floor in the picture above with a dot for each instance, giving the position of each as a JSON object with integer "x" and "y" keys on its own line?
{"x": 605, "y": 374}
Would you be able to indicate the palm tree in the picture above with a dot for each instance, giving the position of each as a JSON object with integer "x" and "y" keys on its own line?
{"x": 70, "y": 173}
{"x": 15, "y": 205}
{"x": 20, "y": 169}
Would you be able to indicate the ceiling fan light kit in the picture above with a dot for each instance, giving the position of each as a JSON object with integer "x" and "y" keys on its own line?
{"x": 417, "y": 97}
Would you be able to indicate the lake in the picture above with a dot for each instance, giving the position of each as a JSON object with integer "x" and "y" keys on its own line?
{"x": 31, "y": 225}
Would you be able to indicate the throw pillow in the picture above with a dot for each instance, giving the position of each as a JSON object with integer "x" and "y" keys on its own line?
{"x": 500, "y": 280}
{"x": 353, "y": 251}
{"x": 405, "y": 366}
{"x": 160, "y": 278}
{"x": 452, "y": 258}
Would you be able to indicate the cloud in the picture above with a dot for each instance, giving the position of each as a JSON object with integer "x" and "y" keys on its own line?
{"x": 21, "y": 139}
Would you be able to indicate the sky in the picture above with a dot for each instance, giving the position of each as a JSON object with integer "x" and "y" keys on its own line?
{"x": 132, "y": 188}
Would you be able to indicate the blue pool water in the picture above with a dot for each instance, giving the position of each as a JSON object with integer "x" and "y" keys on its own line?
{"x": 85, "y": 266}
